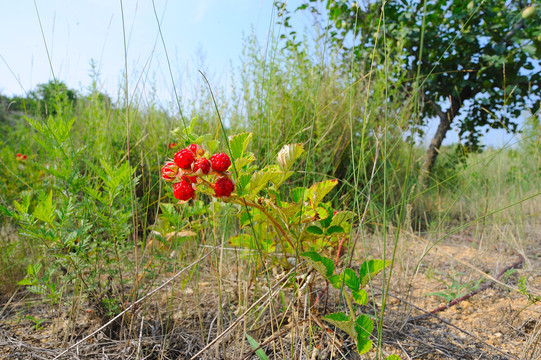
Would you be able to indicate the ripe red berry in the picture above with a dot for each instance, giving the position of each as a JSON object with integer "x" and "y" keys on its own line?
{"x": 192, "y": 179}
{"x": 183, "y": 190}
{"x": 171, "y": 145}
{"x": 169, "y": 171}
{"x": 202, "y": 165}
{"x": 220, "y": 162}
{"x": 197, "y": 149}
{"x": 224, "y": 186}
{"x": 184, "y": 158}
{"x": 19, "y": 155}
{"x": 24, "y": 157}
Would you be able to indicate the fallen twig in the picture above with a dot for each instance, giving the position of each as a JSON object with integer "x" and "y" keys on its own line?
{"x": 515, "y": 265}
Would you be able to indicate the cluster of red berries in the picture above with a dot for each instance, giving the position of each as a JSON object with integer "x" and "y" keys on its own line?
{"x": 21, "y": 157}
{"x": 188, "y": 168}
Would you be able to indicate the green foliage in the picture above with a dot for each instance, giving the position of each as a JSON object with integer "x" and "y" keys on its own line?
{"x": 260, "y": 353}
{"x": 448, "y": 50}
{"x": 358, "y": 327}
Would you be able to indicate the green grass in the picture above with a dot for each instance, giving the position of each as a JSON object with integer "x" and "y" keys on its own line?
{"x": 106, "y": 237}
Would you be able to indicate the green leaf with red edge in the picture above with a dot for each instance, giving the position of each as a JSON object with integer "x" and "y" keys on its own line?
{"x": 317, "y": 191}
{"x": 322, "y": 264}
{"x": 343, "y": 322}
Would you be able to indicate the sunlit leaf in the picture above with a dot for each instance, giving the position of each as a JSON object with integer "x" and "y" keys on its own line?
{"x": 323, "y": 265}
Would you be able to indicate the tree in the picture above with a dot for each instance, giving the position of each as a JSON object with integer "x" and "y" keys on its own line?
{"x": 471, "y": 64}
{"x": 52, "y": 98}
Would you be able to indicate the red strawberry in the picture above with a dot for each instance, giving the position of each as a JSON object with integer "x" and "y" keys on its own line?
{"x": 197, "y": 149}
{"x": 224, "y": 186}
{"x": 220, "y": 162}
{"x": 184, "y": 158}
{"x": 183, "y": 190}
{"x": 202, "y": 165}
{"x": 169, "y": 171}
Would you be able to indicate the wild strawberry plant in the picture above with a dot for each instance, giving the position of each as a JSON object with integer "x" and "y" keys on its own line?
{"x": 282, "y": 225}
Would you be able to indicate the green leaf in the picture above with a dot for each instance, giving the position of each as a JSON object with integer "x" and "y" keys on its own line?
{"x": 323, "y": 265}
{"x": 317, "y": 192}
{"x": 371, "y": 268}
{"x": 25, "y": 282}
{"x": 261, "y": 179}
{"x": 242, "y": 184}
{"x": 364, "y": 327}
{"x": 260, "y": 353}
{"x": 343, "y": 322}
{"x": 392, "y": 357}
{"x": 239, "y": 144}
{"x": 335, "y": 280}
{"x": 312, "y": 229}
{"x": 243, "y": 161}
{"x": 360, "y": 296}
{"x": 364, "y": 345}
{"x": 335, "y": 229}
{"x": 298, "y": 194}
{"x": 242, "y": 240}
{"x": 212, "y": 145}
{"x": 288, "y": 155}
{"x": 350, "y": 279}
{"x": 44, "y": 211}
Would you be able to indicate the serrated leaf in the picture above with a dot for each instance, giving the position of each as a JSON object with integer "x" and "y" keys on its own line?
{"x": 323, "y": 265}
{"x": 312, "y": 229}
{"x": 325, "y": 223}
{"x": 44, "y": 211}
{"x": 317, "y": 191}
{"x": 288, "y": 155}
{"x": 260, "y": 353}
{"x": 243, "y": 161}
{"x": 242, "y": 240}
{"x": 25, "y": 282}
{"x": 343, "y": 322}
{"x": 261, "y": 179}
{"x": 298, "y": 194}
{"x": 350, "y": 279}
{"x": 371, "y": 268}
{"x": 242, "y": 184}
{"x": 239, "y": 143}
{"x": 364, "y": 345}
{"x": 4, "y": 210}
{"x": 364, "y": 327}
{"x": 335, "y": 229}
{"x": 360, "y": 296}
{"x": 335, "y": 280}
{"x": 212, "y": 145}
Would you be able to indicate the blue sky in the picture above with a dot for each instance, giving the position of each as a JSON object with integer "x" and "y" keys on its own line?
{"x": 77, "y": 31}
{"x": 202, "y": 35}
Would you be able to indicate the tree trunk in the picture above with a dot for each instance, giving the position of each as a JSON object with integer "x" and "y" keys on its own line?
{"x": 446, "y": 118}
